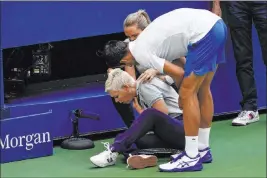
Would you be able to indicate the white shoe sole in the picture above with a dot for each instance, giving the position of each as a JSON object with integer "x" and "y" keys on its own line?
{"x": 244, "y": 124}
{"x": 100, "y": 165}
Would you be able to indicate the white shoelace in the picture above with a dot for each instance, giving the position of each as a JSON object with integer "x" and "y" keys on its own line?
{"x": 107, "y": 146}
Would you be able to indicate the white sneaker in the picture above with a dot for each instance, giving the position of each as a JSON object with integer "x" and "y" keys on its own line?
{"x": 205, "y": 154}
{"x": 172, "y": 157}
{"x": 245, "y": 118}
{"x": 182, "y": 163}
{"x": 106, "y": 158}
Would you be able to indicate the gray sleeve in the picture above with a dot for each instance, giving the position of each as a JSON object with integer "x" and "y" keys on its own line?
{"x": 150, "y": 94}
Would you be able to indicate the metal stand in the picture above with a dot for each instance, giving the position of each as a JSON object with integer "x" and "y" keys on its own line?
{"x": 75, "y": 142}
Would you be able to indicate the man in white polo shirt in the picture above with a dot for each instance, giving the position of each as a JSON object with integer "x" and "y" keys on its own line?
{"x": 201, "y": 36}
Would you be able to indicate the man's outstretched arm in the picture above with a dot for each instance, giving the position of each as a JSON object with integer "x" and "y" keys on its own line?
{"x": 176, "y": 72}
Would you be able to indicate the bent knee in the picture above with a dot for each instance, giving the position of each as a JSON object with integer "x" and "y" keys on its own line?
{"x": 186, "y": 92}
{"x": 190, "y": 86}
{"x": 152, "y": 113}
{"x": 148, "y": 111}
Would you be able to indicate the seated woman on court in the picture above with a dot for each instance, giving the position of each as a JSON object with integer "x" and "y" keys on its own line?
{"x": 157, "y": 103}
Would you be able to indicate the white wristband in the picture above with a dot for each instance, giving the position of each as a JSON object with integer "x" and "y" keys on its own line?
{"x": 169, "y": 80}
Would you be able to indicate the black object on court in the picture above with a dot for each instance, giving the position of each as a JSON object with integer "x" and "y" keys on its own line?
{"x": 75, "y": 142}
{"x": 159, "y": 152}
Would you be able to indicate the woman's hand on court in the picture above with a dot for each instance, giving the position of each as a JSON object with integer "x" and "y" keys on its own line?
{"x": 148, "y": 75}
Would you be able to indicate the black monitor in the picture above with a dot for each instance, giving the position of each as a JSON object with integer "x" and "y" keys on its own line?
{"x": 31, "y": 70}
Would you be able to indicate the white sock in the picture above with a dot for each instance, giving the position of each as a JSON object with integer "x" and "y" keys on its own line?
{"x": 191, "y": 146}
{"x": 203, "y": 138}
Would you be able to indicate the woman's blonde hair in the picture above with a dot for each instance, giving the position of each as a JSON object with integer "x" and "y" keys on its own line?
{"x": 118, "y": 78}
{"x": 139, "y": 18}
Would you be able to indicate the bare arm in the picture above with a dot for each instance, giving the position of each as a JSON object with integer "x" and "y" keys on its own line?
{"x": 176, "y": 72}
{"x": 149, "y": 74}
{"x": 180, "y": 62}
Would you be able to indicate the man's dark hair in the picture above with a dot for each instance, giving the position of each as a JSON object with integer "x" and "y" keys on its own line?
{"x": 113, "y": 52}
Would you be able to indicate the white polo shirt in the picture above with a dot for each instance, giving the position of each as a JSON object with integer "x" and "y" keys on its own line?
{"x": 169, "y": 35}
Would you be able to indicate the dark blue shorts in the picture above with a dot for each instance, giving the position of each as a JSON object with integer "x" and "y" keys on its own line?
{"x": 204, "y": 55}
